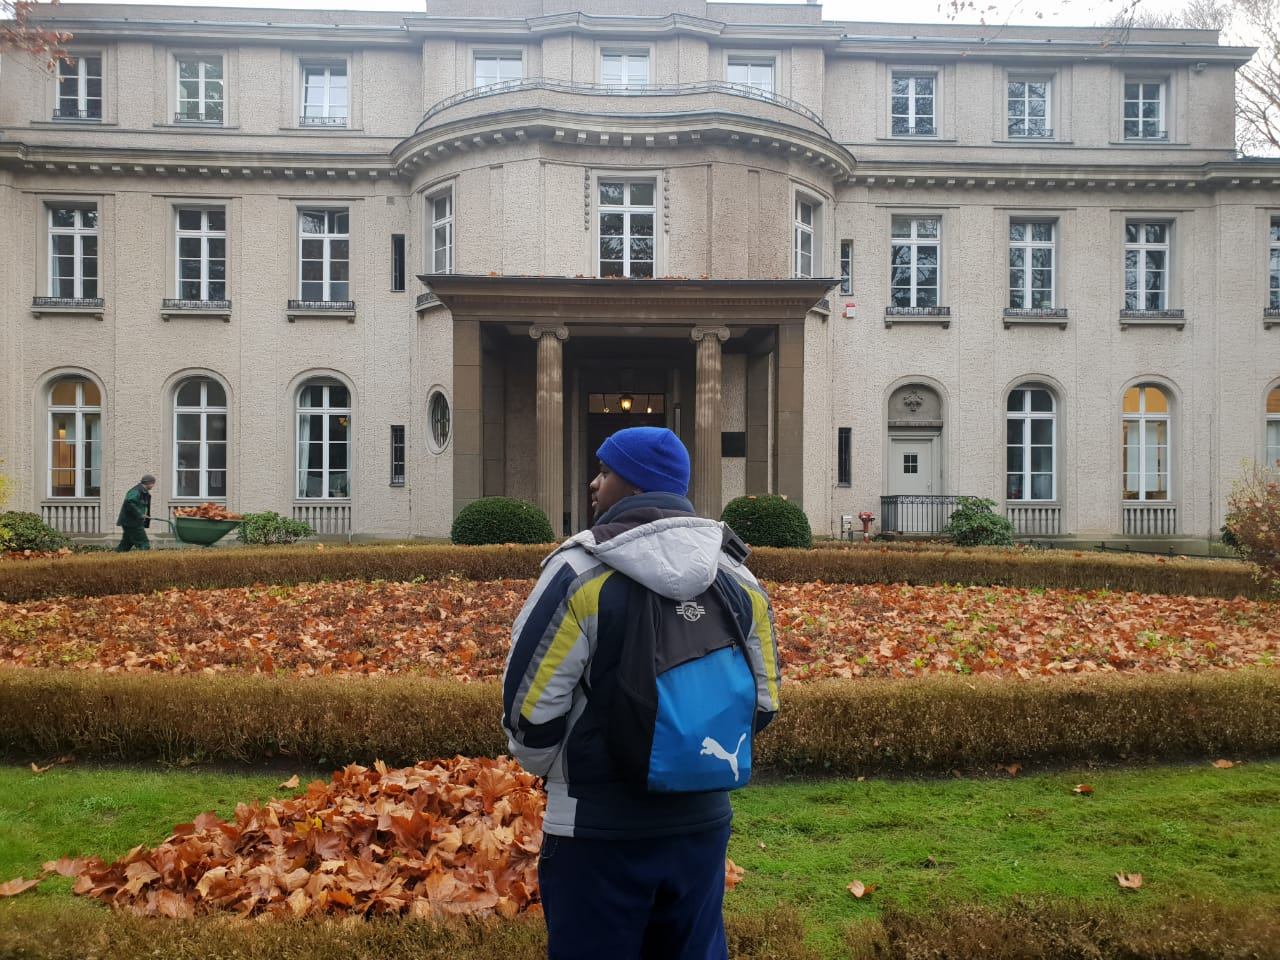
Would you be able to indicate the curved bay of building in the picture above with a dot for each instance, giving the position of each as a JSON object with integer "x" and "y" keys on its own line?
{"x": 364, "y": 273}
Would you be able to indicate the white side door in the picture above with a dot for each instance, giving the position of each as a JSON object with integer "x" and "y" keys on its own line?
{"x": 912, "y": 466}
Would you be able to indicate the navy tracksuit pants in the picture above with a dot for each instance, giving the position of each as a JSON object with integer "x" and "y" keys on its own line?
{"x": 657, "y": 898}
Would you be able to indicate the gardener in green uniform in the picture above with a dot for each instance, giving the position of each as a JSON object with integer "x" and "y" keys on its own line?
{"x": 135, "y": 516}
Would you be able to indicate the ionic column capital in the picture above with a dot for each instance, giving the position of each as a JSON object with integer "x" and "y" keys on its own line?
{"x": 697, "y": 334}
{"x": 538, "y": 331}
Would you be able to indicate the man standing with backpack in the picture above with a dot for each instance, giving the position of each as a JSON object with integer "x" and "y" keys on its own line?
{"x": 642, "y": 664}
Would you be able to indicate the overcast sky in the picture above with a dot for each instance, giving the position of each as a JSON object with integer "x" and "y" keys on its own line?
{"x": 1066, "y": 13}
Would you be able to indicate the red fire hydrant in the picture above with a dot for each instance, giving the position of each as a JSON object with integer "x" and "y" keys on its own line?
{"x": 867, "y": 518}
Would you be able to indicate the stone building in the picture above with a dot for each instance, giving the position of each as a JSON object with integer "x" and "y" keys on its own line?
{"x": 363, "y": 268}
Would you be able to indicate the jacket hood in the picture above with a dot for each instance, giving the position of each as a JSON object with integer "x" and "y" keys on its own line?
{"x": 656, "y": 540}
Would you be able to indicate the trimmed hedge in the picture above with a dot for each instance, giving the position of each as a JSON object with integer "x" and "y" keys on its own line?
{"x": 837, "y": 727}
{"x": 101, "y": 574}
{"x": 768, "y": 520}
{"x": 26, "y": 531}
{"x": 500, "y": 520}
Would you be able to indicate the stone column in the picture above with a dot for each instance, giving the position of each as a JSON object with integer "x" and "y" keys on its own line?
{"x": 706, "y": 488}
{"x": 550, "y": 413}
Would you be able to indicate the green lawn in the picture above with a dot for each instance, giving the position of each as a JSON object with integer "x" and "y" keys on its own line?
{"x": 1196, "y": 834}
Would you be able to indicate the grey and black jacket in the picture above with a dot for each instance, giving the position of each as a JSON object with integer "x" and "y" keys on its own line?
{"x": 566, "y": 644}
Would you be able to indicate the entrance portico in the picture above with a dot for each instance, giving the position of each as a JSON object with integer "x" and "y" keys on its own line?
{"x": 529, "y": 353}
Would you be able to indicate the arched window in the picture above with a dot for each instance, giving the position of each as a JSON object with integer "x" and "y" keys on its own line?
{"x": 200, "y": 439}
{"x": 438, "y": 417}
{"x": 1146, "y": 444}
{"x": 324, "y": 431}
{"x": 1031, "y": 436}
{"x": 75, "y": 438}
{"x": 1273, "y": 426}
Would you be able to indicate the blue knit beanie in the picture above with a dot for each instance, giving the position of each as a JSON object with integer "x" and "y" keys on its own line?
{"x": 651, "y": 458}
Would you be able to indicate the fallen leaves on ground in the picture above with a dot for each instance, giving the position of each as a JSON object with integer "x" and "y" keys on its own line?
{"x": 456, "y": 836}
{"x": 461, "y": 629}
{"x": 860, "y": 889}
{"x": 1129, "y": 881}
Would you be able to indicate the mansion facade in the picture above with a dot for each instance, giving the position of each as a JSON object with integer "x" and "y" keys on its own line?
{"x": 363, "y": 268}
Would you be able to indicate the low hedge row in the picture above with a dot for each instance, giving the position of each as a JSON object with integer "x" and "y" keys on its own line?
{"x": 110, "y": 573}
{"x": 838, "y": 727}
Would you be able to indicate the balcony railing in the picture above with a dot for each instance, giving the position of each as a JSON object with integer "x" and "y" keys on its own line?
{"x": 1270, "y": 317}
{"x": 1150, "y": 519}
{"x": 630, "y": 90}
{"x": 86, "y": 306}
{"x": 326, "y": 518}
{"x": 322, "y": 121}
{"x": 1044, "y": 133}
{"x": 1034, "y": 519}
{"x": 1153, "y": 318}
{"x": 916, "y": 513}
{"x": 188, "y": 116}
{"x": 72, "y": 516}
{"x": 221, "y": 309}
{"x": 71, "y": 113}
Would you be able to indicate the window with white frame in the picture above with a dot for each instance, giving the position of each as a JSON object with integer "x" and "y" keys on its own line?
{"x": 73, "y": 251}
{"x": 913, "y": 104}
{"x": 755, "y": 72}
{"x": 1031, "y": 427}
{"x": 201, "y": 87}
{"x": 1028, "y": 108}
{"x": 498, "y": 68}
{"x": 440, "y": 213}
{"x": 325, "y": 256}
{"x": 914, "y": 260}
{"x": 202, "y": 254}
{"x": 1146, "y": 265}
{"x": 1146, "y": 444}
{"x": 75, "y": 438}
{"x": 846, "y": 267}
{"x": 1273, "y": 426}
{"x": 324, "y": 94}
{"x": 324, "y": 431}
{"x": 1032, "y": 263}
{"x": 200, "y": 439}
{"x": 805, "y": 232}
{"x": 1273, "y": 297}
{"x": 625, "y": 68}
{"x": 1144, "y": 110}
{"x": 627, "y": 214}
{"x": 79, "y": 88}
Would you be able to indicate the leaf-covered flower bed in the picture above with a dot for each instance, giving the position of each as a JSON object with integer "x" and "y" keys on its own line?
{"x": 461, "y": 630}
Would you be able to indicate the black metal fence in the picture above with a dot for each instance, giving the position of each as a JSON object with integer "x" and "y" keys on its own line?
{"x": 916, "y": 513}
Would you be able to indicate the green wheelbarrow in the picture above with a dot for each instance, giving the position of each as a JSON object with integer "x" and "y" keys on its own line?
{"x": 198, "y": 531}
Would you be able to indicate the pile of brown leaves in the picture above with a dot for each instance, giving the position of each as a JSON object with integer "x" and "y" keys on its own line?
{"x": 461, "y": 630}
{"x": 207, "y": 511}
{"x": 456, "y": 836}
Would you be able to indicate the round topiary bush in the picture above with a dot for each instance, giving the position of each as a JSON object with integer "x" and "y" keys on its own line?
{"x": 768, "y": 520}
{"x": 500, "y": 520}
{"x": 26, "y": 531}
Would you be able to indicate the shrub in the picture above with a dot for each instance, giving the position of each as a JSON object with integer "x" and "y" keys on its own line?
{"x": 975, "y": 524}
{"x": 1253, "y": 521}
{"x": 768, "y": 520}
{"x": 500, "y": 520}
{"x": 26, "y": 531}
{"x": 270, "y": 528}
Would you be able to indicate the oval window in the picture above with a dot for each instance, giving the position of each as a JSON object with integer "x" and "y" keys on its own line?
{"x": 439, "y": 420}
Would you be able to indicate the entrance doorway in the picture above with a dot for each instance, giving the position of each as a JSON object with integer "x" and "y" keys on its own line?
{"x": 913, "y": 479}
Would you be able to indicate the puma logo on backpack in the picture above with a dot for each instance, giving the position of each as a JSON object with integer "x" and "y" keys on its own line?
{"x": 710, "y": 746}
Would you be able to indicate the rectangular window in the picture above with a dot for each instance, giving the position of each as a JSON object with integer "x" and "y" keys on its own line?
{"x": 324, "y": 439}
{"x": 75, "y": 438}
{"x": 1030, "y": 442}
{"x": 805, "y": 237}
{"x": 754, "y": 72}
{"x": 1144, "y": 110}
{"x": 73, "y": 252}
{"x": 397, "y": 262}
{"x": 397, "y": 455}
{"x": 846, "y": 267}
{"x": 1146, "y": 266}
{"x": 324, "y": 95}
{"x": 441, "y": 211}
{"x": 1032, "y": 263}
{"x": 1145, "y": 452}
{"x": 324, "y": 256}
{"x": 626, "y": 218}
{"x": 498, "y": 68}
{"x": 200, "y": 90}
{"x": 914, "y": 261}
{"x": 202, "y": 254}
{"x": 79, "y": 88}
{"x": 844, "y": 456}
{"x": 200, "y": 439}
{"x": 1273, "y": 297}
{"x": 1028, "y": 106}
{"x": 913, "y": 105}
{"x": 626, "y": 69}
